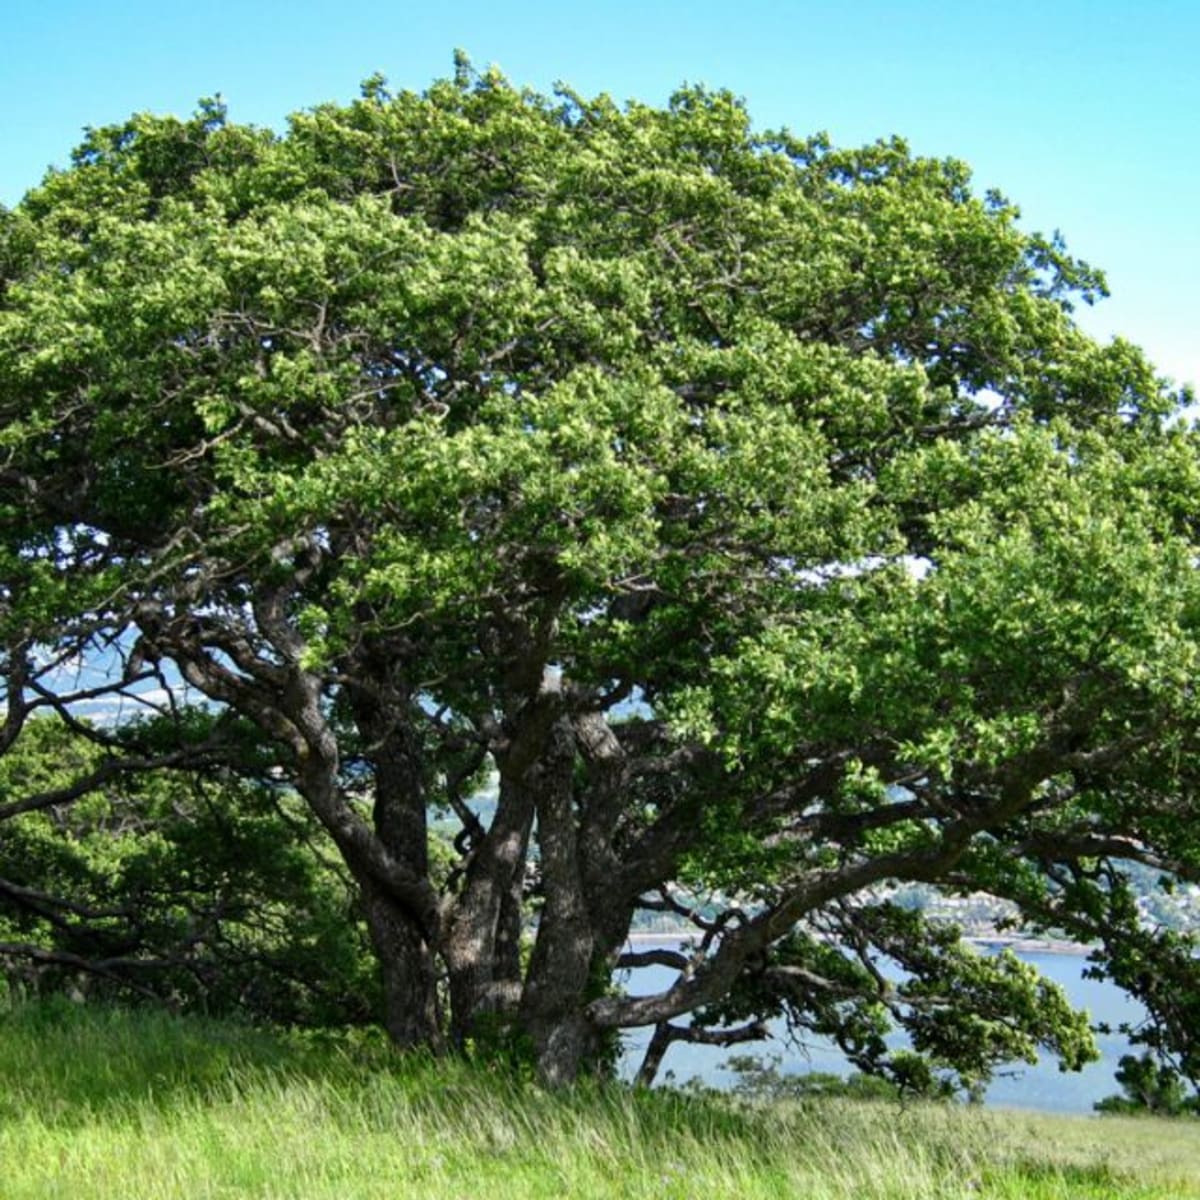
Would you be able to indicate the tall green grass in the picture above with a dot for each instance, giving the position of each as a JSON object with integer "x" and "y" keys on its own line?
{"x": 104, "y": 1103}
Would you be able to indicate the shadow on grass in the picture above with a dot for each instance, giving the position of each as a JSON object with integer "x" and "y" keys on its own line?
{"x": 59, "y": 1059}
{"x": 64, "y": 1064}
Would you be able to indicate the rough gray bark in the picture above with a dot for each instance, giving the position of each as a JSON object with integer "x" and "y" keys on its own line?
{"x": 404, "y": 936}
{"x": 407, "y": 970}
{"x": 559, "y": 972}
{"x": 483, "y": 932}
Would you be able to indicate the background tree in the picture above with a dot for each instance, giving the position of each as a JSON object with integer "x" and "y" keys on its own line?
{"x": 212, "y": 894}
{"x": 753, "y": 507}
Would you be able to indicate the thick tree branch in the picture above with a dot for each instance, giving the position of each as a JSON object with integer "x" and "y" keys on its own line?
{"x": 666, "y": 1034}
{"x": 632, "y": 960}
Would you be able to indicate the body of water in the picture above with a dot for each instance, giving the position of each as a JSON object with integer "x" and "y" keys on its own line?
{"x": 1020, "y": 1085}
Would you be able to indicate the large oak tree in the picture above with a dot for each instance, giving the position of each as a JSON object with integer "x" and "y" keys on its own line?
{"x": 753, "y": 508}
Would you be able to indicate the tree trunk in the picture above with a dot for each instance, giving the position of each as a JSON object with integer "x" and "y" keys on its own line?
{"x": 407, "y": 967}
{"x": 483, "y": 938}
{"x": 402, "y": 941}
{"x": 556, "y": 987}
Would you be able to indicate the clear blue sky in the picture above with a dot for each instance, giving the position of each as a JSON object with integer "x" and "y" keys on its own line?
{"x": 1086, "y": 112}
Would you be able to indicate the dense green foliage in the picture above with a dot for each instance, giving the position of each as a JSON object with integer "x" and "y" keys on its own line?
{"x": 752, "y": 507}
{"x": 97, "y": 1103}
{"x": 209, "y": 895}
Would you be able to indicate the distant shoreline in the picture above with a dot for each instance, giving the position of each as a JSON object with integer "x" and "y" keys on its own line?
{"x": 1024, "y": 945}
{"x": 1019, "y": 945}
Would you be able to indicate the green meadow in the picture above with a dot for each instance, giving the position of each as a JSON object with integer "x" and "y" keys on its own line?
{"x": 107, "y": 1103}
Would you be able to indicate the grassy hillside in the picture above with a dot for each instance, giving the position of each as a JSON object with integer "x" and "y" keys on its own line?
{"x": 111, "y": 1104}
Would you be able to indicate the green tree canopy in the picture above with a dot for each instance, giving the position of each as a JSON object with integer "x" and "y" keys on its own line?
{"x": 753, "y": 508}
